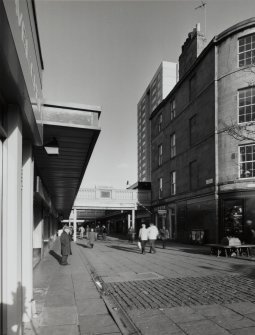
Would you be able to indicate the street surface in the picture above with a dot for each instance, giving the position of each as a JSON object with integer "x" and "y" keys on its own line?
{"x": 179, "y": 290}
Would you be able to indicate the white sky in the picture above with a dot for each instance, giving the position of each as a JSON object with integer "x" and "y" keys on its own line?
{"x": 105, "y": 53}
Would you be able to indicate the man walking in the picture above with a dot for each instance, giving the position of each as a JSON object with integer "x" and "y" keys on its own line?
{"x": 65, "y": 245}
{"x": 143, "y": 237}
{"x": 152, "y": 236}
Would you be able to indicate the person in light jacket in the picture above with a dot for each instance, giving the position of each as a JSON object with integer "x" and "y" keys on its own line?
{"x": 65, "y": 245}
{"x": 143, "y": 237}
{"x": 92, "y": 238}
{"x": 152, "y": 236}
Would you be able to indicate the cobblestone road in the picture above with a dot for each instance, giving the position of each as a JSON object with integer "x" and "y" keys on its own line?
{"x": 180, "y": 290}
{"x": 173, "y": 292}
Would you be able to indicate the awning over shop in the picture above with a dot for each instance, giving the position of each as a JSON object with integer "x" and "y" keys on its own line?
{"x": 74, "y": 130}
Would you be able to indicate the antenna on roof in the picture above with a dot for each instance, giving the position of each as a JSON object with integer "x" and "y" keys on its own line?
{"x": 203, "y": 6}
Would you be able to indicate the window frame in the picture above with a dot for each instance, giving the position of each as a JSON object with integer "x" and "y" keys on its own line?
{"x": 160, "y": 187}
{"x": 173, "y": 182}
{"x": 172, "y": 147}
{"x": 245, "y": 162}
{"x": 252, "y": 35}
{"x": 252, "y": 98}
{"x": 172, "y": 109}
{"x": 160, "y": 122}
{"x": 160, "y": 154}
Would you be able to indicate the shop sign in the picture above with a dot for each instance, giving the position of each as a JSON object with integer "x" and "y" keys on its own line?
{"x": 162, "y": 211}
{"x": 209, "y": 181}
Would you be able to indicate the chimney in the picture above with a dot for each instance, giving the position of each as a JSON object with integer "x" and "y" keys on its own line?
{"x": 191, "y": 49}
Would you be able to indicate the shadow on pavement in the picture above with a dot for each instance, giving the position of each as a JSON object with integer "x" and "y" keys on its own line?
{"x": 245, "y": 270}
{"x": 83, "y": 245}
{"x": 55, "y": 255}
{"x": 124, "y": 249}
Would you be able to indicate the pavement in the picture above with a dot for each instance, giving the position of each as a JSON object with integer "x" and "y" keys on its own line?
{"x": 114, "y": 289}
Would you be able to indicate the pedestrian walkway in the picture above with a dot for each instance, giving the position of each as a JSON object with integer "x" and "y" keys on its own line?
{"x": 113, "y": 289}
{"x": 67, "y": 299}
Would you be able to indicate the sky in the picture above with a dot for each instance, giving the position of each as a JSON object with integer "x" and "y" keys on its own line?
{"x": 105, "y": 53}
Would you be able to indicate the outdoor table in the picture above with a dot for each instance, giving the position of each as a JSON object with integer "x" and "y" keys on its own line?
{"x": 219, "y": 248}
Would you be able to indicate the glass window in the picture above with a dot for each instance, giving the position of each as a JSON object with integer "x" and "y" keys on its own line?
{"x": 160, "y": 120}
{"x": 192, "y": 88}
{"x": 193, "y": 175}
{"x": 160, "y": 155}
{"x": 247, "y": 161}
{"x": 160, "y": 188}
{"x": 172, "y": 109}
{"x": 246, "y": 51}
{"x": 172, "y": 146}
{"x": 173, "y": 182}
{"x": 246, "y": 105}
{"x": 192, "y": 129}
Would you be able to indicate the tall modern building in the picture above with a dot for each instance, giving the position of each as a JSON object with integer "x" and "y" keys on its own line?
{"x": 161, "y": 84}
{"x": 203, "y": 175}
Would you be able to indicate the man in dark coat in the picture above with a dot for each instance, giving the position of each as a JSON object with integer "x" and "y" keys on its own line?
{"x": 65, "y": 245}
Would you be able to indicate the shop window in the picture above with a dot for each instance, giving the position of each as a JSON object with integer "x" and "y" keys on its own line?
{"x": 246, "y": 105}
{"x": 173, "y": 182}
{"x": 247, "y": 161}
{"x": 172, "y": 145}
{"x": 172, "y": 109}
{"x": 233, "y": 218}
{"x": 160, "y": 155}
{"x": 246, "y": 50}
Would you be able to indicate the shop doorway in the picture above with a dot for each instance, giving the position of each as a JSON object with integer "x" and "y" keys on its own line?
{"x": 172, "y": 226}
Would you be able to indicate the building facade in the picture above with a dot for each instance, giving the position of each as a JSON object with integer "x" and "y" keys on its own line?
{"x": 44, "y": 152}
{"x": 161, "y": 84}
{"x": 203, "y": 184}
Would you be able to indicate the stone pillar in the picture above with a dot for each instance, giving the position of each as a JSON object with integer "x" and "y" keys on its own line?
{"x": 12, "y": 233}
{"x": 75, "y": 224}
{"x": 27, "y": 229}
{"x": 133, "y": 219}
{"x": 128, "y": 221}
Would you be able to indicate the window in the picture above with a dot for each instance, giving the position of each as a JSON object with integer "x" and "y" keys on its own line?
{"x": 160, "y": 154}
{"x": 247, "y": 161}
{"x": 246, "y": 101}
{"x": 193, "y": 175}
{"x": 173, "y": 182}
{"x": 192, "y": 87}
{"x": 160, "y": 188}
{"x": 246, "y": 50}
{"x": 192, "y": 129}
{"x": 172, "y": 146}
{"x": 160, "y": 120}
{"x": 172, "y": 109}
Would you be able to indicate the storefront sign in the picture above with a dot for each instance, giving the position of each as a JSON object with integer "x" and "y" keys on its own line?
{"x": 162, "y": 211}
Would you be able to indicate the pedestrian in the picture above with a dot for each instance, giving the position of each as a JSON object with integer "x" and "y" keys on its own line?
{"x": 152, "y": 236}
{"x": 104, "y": 232}
{"x": 65, "y": 245}
{"x": 164, "y": 235}
{"x": 82, "y": 230}
{"x": 143, "y": 237}
{"x": 92, "y": 238}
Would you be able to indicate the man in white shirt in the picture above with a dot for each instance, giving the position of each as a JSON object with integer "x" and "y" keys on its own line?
{"x": 143, "y": 237}
{"x": 152, "y": 236}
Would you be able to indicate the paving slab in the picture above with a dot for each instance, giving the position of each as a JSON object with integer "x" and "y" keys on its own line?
{"x": 52, "y": 316}
{"x": 182, "y": 314}
{"x": 242, "y": 307}
{"x": 237, "y": 322}
{"x": 60, "y": 299}
{"x": 95, "y": 324}
{"x": 214, "y": 310}
{"x": 59, "y": 330}
{"x": 244, "y": 331}
{"x": 203, "y": 327}
{"x": 151, "y": 323}
{"x": 91, "y": 307}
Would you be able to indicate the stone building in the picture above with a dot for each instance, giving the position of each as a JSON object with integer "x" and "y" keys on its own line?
{"x": 203, "y": 185}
